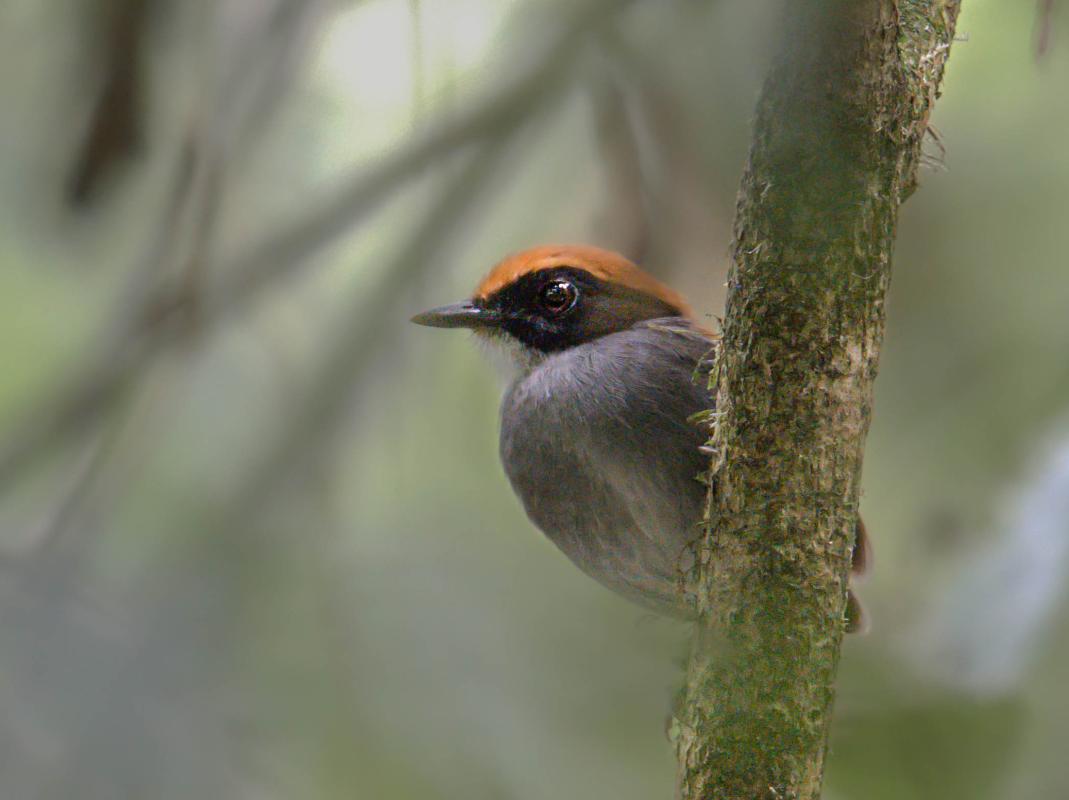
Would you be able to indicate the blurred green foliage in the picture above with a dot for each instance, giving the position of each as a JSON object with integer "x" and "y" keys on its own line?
{"x": 379, "y": 620}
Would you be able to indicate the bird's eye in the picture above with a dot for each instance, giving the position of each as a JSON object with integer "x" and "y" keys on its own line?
{"x": 558, "y": 296}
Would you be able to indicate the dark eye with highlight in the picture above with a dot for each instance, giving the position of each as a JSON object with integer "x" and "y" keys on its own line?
{"x": 558, "y": 296}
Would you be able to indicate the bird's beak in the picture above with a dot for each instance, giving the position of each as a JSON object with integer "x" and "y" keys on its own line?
{"x": 458, "y": 315}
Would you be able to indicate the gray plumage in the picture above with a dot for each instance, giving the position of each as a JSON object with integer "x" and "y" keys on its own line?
{"x": 597, "y": 435}
{"x": 597, "y": 444}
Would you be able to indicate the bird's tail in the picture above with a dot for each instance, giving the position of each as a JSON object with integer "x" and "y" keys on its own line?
{"x": 857, "y": 621}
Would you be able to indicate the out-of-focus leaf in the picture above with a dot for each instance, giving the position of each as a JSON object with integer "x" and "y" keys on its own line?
{"x": 950, "y": 748}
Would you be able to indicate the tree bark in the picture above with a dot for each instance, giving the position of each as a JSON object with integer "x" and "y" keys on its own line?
{"x": 837, "y": 141}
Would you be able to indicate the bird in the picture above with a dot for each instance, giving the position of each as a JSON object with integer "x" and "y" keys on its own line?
{"x": 600, "y": 431}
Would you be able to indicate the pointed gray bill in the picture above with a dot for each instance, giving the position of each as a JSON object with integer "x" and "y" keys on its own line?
{"x": 457, "y": 315}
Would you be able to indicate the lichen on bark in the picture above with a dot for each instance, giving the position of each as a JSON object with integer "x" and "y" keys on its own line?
{"x": 836, "y": 144}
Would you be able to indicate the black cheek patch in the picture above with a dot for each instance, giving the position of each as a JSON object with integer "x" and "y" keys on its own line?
{"x": 601, "y": 308}
{"x": 535, "y": 331}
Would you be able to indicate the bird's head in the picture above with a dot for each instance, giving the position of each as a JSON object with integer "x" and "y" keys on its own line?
{"x": 547, "y": 299}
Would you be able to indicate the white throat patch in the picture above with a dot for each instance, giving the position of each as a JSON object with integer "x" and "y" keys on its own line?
{"x": 511, "y": 357}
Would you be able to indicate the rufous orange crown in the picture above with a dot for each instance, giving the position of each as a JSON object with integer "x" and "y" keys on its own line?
{"x": 602, "y": 264}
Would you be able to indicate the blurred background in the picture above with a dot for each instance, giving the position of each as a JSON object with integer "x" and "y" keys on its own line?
{"x": 254, "y": 538}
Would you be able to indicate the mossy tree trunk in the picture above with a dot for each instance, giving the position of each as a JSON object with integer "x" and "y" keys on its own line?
{"x": 836, "y": 146}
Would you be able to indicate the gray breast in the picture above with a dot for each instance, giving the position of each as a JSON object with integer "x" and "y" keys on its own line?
{"x": 596, "y": 443}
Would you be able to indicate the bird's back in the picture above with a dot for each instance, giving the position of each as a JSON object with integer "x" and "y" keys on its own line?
{"x": 582, "y": 463}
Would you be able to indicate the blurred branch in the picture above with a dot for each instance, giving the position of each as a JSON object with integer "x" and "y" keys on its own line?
{"x": 418, "y": 58}
{"x": 115, "y": 128}
{"x": 160, "y": 324}
{"x": 624, "y": 219}
{"x": 367, "y": 330}
{"x": 70, "y": 507}
{"x": 511, "y": 103}
{"x": 262, "y": 43}
{"x": 685, "y": 218}
{"x": 268, "y": 40}
{"x": 1044, "y": 26}
{"x": 982, "y": 628}
{"x": 263, "y": 46}
{"x": 836, "y": 145}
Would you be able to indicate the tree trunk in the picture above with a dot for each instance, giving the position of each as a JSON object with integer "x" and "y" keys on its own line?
{"x": 837, "y": 142}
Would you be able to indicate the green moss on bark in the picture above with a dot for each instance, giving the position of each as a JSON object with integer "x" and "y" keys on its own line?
{"x": 837, "y": 140}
